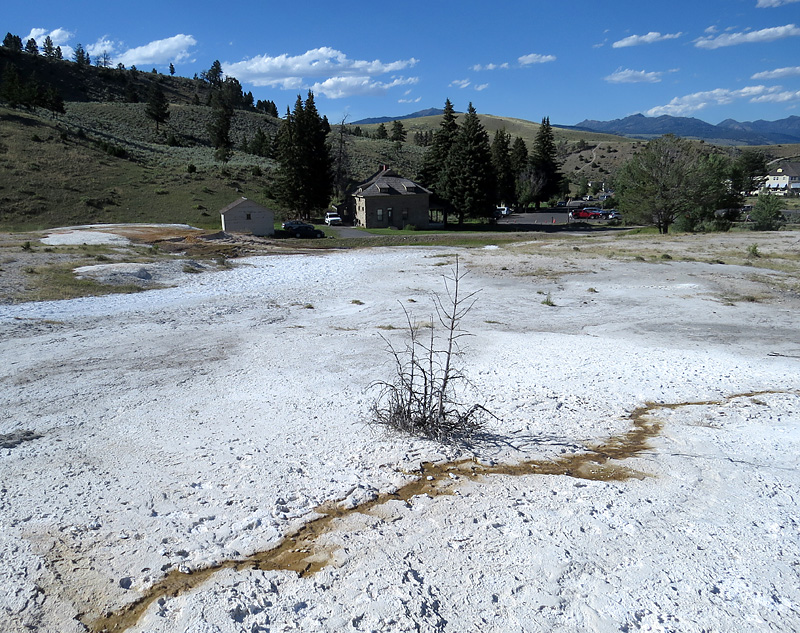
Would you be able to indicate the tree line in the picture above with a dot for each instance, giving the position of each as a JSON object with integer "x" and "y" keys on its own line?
{"x": 471, "y": 176}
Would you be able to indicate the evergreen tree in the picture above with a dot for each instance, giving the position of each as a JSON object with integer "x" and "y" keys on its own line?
{"x": 11, "y": 88}
{"x": 304, "y": 181}
{"x": 381, "y": 133}
{"x": 31, "y": 47}
{"x": 53, "y": 101}
{"x": 519, "y": 156}
{"x": 436, "y": 155}
{"x": 79, "y": 56}
{"x": 398, "y": 132}
{"x": 59, "y": 54}
{"x": 503, "y": 169}
{"x": 171, "y": 68}
{"x": 13, "y": 42}
{"x": 748, "y": 171}
{"x": 157, "y": 105}
{"x": 470, "y": 179}
{"x": 260, "y": 145}
{"x": 213, "y": 75}
{"x": 48, "y": 50}
{"x": 220, "y": 126}
{"x": 542, "y": 179}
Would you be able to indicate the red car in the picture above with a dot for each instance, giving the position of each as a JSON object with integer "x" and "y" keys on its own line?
{"x": 586, "y": 214}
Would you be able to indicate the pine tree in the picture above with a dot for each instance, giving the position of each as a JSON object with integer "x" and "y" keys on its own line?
{"x": 503, "y": 169}
{"x": 470, "y": 179}
{"x": 13, "y": 42}
{"x": 542, "y": 178}
{"x": 436, "y": 155}
{"x": 157, "y": 105}
{"x": 260, "y": 145}
{"x": 380, "y": 132}
{"x": 220, "y": 126}
{"x": 79, "y": 56}
{"x": 31, "y": 47}
{"x": 171, "y": 68}
{"x": 213, "y": 75}
{"x": 11, "y": 87}
{"x": 48, "y": 50}
{"x": 304, "y": 181}
{"x": 398, "y": 132}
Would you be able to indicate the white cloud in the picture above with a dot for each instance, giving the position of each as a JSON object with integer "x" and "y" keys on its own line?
{"x": 778, "y": 73}
{"x": 333, "y": 67}
{"x": 650, "y": 38}
{"x": 481, "y": 87}
{"x": 339, "y": 87}
{"x": 460, "y": 83}
{"x": 749, "y": 37}
{"x": 479, "y": 67}
{"x": 417, "y": 100}
{"x": 103, "y": 45}
{"x": 172, "y": 49}
{"x": 628, "y": 76}
{"x": 680, "y": 106}
{"x": 535, "y": 58}
{"x": 59, "y": 36}
{"x": 766, "y": 4}
{"x": 777, "y": 97}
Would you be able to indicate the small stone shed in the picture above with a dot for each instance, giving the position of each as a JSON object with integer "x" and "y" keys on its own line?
{"x": 389, "y": 200}
{"x": 246, "y": 216}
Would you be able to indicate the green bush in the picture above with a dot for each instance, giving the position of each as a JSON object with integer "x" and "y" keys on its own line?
{"x": 766, "y": 214}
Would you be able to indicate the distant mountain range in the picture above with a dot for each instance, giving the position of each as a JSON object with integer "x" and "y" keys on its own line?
{"x": 389, "y": 119}
{"x": 728, "y": 132}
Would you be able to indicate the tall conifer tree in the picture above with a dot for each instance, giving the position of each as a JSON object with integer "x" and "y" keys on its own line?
{"x": 304, "y": 181}
{"x": 501, "y": 162}
{"x": 470, "y": 178}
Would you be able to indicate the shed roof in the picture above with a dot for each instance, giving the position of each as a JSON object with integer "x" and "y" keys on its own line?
{"x": 240, "y": 201}
{"x": 387, "y": 182}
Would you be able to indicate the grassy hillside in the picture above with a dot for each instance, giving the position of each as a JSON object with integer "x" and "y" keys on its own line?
{"x": 104, "y": 162}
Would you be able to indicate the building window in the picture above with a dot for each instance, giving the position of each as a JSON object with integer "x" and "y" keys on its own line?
{"x": 379, "y": 213}
{"x": 247, "y": 217}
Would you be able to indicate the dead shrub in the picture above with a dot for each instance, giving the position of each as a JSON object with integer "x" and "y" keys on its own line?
{"x": 422, "y": 398}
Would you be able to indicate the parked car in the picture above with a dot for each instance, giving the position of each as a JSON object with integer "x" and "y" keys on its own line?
{"x": 291, "y": 224}
{"x": 613, "y": 214}
{"x": 586, "y": 214}
{"x": 332, "y": 218}
{"x": 504, "y": 211}
{"x": 306, "y": 231}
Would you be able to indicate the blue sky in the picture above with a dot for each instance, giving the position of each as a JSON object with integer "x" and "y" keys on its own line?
{"x": 710, "y": 59}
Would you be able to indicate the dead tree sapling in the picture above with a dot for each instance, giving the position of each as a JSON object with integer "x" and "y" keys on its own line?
{"x": 422, "y": 398}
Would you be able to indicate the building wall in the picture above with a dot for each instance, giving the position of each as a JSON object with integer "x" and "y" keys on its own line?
{"x": 249, "y": 217}
{"x": 380, "y": 212}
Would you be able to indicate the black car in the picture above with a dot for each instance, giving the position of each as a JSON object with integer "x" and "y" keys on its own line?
{"x": 291, "y": 224}
{"x": 305, "y": 231}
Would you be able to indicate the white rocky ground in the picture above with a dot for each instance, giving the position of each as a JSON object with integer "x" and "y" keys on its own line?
{"x": 177, "y": 428}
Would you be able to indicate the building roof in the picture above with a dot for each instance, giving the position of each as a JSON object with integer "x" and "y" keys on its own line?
{"x": 786, "y": 169}
{"x": 236, "y": 203}
{"x": 387, "y": 182}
